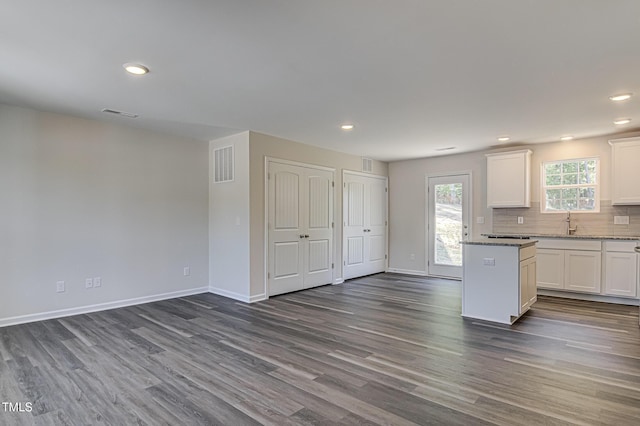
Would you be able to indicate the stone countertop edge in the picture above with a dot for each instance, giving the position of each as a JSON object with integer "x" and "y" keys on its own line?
{"x": 563, "y": 236}
{"x": 513, "y": 242}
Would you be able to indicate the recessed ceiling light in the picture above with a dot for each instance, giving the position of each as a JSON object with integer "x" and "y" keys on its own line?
{"x": 136, "y": 69}
{"x": 622, "y": 121}
{"x": 503, "y": 138}
{"x": 347, "y": 127}
{"x": 566, "y": 138}
{"x": 621, "y": 97}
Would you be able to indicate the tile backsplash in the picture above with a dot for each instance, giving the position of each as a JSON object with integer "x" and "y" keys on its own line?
{"x": 506, "y": 221}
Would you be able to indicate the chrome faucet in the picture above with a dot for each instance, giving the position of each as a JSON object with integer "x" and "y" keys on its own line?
{"x": 570, "y": 230}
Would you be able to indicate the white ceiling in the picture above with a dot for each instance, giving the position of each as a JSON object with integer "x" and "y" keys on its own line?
{"x": 412, "y": 75}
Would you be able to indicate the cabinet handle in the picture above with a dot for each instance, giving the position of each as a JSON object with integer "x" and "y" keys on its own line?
{"x": 637, "y": 249}
{"x": 301, "y": 235}
{"x": 306, "y": 235}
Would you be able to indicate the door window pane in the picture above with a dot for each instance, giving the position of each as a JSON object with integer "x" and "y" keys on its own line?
{"x": 448, "y": 224}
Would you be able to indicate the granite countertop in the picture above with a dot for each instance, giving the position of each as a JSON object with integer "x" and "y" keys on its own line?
{"x": 514, "y": 242}
{"x": 570, "y": 237}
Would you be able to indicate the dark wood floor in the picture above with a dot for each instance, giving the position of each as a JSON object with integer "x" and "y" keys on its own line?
{"x": 385, "y": 349}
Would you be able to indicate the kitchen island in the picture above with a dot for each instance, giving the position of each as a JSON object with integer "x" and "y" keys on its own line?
{"x": 498, "y": 278}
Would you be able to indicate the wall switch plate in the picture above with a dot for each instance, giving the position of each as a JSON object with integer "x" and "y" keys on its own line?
{"x": 97, "y": 282}
{"x": 520, "y": 220}
{"x": 489, "y": 261}
{"x": 186, "y": 271}
{"x": 480, "y": 219}
{"x": 60, "y": 287}
{"x": 88, "y": 283}
{"x": 621, "y": 220}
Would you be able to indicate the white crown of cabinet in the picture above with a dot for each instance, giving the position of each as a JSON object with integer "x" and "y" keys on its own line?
{"x": 509, "y": 179}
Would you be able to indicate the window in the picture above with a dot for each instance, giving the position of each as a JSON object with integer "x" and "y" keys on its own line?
{"x": 570, "y": 185}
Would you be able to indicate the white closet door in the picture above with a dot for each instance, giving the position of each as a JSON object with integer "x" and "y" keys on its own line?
{"x": 318, "y": 246}
{"x": 286, "y": 230}
{"x": 300, "y": 219}
{"x": 365, "y": 225}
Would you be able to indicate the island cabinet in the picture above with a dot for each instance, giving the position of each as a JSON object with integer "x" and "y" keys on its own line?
{"x": 498, "y": 279}
{"x": 509, "y": 179}
{"x": 625, "y": 157}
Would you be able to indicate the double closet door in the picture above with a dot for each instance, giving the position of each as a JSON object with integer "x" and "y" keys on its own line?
{"x": 300, "y": 227}
{"x": 365, "y": 225}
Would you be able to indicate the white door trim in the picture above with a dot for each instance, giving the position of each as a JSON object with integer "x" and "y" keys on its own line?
{"x": 265, "y": 248}
{"x": 469, "y": 174}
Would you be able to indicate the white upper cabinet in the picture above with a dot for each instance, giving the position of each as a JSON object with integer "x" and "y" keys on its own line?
{"x": 625, "y": 158}
{"x": 509, "y": 179}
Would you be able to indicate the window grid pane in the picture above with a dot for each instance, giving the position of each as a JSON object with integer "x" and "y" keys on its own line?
{"x": 570, "y": 185}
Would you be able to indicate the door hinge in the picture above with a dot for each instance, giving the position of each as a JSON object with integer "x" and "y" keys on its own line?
{"x": 332, "y": 266}
{"x": 268, "y": 275}
{"x": 385, "y": 223}
{"x": 385, "y": 256}
{"x": 333, "y": 224}
{"x": 344, "y": 185}
{"x": 333, "y": 184}
{"x": 385, "y": 190}
{"x": 268, "y": 176}
{"x": 344, "y": 263}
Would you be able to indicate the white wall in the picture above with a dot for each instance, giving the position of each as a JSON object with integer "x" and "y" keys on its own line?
{"x": 229, "y": 223}
{"x": 82, "y": 199}
{"x": 407, "y": 201}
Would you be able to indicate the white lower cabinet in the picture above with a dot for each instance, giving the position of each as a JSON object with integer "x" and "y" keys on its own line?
{"x": 528, "y": 289}
{"x": 609, "y": 268}
{"x": 621, "y": 269}
{"x": 582, "y": 271}
{"x": 570, "y": 265}
{"x": 550, "y": 269}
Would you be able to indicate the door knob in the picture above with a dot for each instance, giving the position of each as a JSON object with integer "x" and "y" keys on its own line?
{"x": 301, "y": 235}
{"x": 306, "y": 235}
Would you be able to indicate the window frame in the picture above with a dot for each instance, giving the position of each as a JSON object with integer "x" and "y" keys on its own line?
{"x": 544, "y": 187}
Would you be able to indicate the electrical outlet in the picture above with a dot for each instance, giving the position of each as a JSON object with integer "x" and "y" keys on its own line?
{"x": 186, "y": 271}
{"x": 520, "y": 220}
{"x": 621, "y": 220}
{"x": 489, "y": 261}
{"x": 480, "y": 219}
{"x": 60, "y": 287}
{"x": 97, "y": 282}
{"x": 88, "y": 283}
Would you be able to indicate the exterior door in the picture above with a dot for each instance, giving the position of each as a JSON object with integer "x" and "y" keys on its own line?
{"x": 364, "y": 225}
{"x": 300, "y": 227}
{"x": 447, "y": 223}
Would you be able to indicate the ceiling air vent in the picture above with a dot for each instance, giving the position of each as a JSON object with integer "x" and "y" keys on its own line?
{"x": 367, "y": 165}
{"x": 122, "y": 113}
{"x": 223, "y": 164}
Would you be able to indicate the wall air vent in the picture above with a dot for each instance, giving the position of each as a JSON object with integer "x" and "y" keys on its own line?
{"x": 367, "y": 165}
{"x": 223, "y": 164}
{"x": 122, "y": 113}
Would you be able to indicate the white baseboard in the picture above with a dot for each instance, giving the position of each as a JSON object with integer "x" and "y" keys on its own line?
{"x": 338, "y": 281}
{"x": 589, "y": 297}
{"x": 407, "y": 272}
{"x": 230, "y": 294}
{"x": 4, "y": 322}
{"x": 258, "y": 298}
